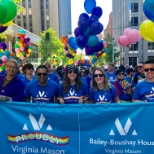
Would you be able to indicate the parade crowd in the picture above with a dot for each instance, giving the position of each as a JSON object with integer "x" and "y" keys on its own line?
{"x": 77, "y": 84}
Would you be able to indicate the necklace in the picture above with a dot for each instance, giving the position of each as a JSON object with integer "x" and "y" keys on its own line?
{"x": 6, "y": 82}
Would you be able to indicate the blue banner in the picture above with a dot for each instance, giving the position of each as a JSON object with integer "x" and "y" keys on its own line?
{"x": 27, "y": 128}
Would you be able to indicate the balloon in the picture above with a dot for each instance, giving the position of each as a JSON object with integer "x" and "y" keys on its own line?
{"x": 96, "y": 28}
{"x": 4, "y": 58}
{"x": 99, "y": 36}
{"x": 133, "y": 36}
{"x": 143, "y": 30}
{"x": 1, "y": 61}
{"x": 72, "y": 43}
{"x": 123, "y": 40}
{"x": 127, "y": 31}
{"x": 3, "y": 45}
{"x": 2, "y": 29}
{"x": 77, "y": 32}
{"x": 149, "y": 30}
{"x": 148, "y": 9}
{"x": 89, "y": 5}
{"x": 81, "y": 41}
{"x": 89, "y": 50}
{"x": 97, "y": 11}
{"x": 8, "y": 23}
{"x": 7, "y": 53}
{"x": 11, "y": 10}
{"x": 93, "y": 41}
{"x": 99, "y": 47}
{"x": 85, "y": 15}
{"x": 93, "y": 18}
{"x": 83, "y": 24}
{"x": 3, "y": 12}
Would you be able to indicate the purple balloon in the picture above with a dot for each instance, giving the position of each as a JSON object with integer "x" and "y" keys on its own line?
{"x": 77, "y": 32}
{"x": 85, "y": 15}
{"x": 99, "y": 47}
{"x": 2, "y": 29}
{"x": 81, "y": 41}
{"x": 3, "y": 45}
{"x": 96, "y": 28}
{"x": 97, "y": 11}
{"x": 93, "y": 18}
{"x": 89, "y": 50}
{"x": 83, "y": 24}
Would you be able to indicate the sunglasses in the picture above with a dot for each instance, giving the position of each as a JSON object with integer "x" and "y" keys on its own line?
{"x": 30, "y": 68}
{"x": 139, "y": 67}
{"x": 96, "y": 75}
{"x": 147, "y": 69}
{"x": 71, "y": 71}
{"x": 40, "y": 74}
{"x": 121, "y": 74}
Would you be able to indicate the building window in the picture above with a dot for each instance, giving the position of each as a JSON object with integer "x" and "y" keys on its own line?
{"x": 23, "y": 3}
{"x": 134, "y": 21}
{"x": 134, "y": 47}
{"x": 150, "y": 46}
{"x": 134, "y": 7}
{"x": 133, "y": 61}
{"x": 29, "y": 4}
{"x": 150, "y": 57}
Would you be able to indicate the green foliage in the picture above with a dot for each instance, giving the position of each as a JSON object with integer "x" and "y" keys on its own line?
{"x": 49, "y": 47}
{"x": 110, "y": 44}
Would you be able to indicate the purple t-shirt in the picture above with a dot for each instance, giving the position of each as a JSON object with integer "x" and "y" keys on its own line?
{"x": 14, "y": 89}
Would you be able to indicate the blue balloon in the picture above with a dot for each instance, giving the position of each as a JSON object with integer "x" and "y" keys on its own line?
{"x": 93, "y": 18}
{"x": 77, "y": 32}
{"x": 7, "y": 53}
{"x": 96, "y": 28}
{"x": 85, "y": 15}
{"x": 93, "y": 41}
{"x": 148, "y": 9}
{"x": 81, "y": 41}
{"x": 106, "y": 50}
{"x": 72, "y": 43}
{"x": 89, "y": 5}
{"x": 99, "y": 47}
{"x": 89, "y": 50}
{"x": 83, "y": 24}
{"x": 1, "y": 54}
{"x": 97, "y": 11}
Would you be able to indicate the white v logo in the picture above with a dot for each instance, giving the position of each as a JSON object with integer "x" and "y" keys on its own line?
{"x": 41, "y": 94}
{"x": 36, "y": 125}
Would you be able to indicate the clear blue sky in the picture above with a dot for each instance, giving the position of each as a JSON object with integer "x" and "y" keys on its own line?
{"x": 77, "y": 7}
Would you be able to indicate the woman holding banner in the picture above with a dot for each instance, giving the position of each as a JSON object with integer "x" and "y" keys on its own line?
{"x": 72, "y": 90}
{"x": 102, "y": 91}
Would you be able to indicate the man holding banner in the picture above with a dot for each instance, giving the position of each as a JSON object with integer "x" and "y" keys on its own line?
{"x": 41, "y": 90}
{"x": 144, "y": 90}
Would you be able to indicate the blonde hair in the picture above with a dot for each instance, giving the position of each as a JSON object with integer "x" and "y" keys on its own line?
{"x": 13, "y": 61}
{"x": 47, "y": 63}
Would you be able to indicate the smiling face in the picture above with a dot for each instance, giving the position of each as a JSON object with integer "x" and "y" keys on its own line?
{"x": 42, "y": 75}
{"x": 11, "y": 68}
{"x": 149, "y": 71}
{"x": 98, "y": 77}
{"x": 72, "y": 74}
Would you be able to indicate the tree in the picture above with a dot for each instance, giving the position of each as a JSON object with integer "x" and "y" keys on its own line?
{"x": 110, "y": 43}
{"x": 50, "y": 44}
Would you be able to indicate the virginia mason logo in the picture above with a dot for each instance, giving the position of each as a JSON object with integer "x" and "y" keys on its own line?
{"x": 37, "y": 125}
{"x": 123, "y": 131}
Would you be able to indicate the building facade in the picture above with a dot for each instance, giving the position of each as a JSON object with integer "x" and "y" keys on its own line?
{"x": 129, "y": 13}
{"x": 39, "y": 15}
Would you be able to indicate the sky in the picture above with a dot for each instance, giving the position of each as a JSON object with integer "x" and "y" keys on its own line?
{"x": 77, "y": 7}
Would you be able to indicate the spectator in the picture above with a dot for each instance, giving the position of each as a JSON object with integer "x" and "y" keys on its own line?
{"x": 11, "y": 87}
{"x": 73, "y": 90}
{"x": 28, "y": 71}
{"x": 111, "y": 75}
{"x": 41, "y": 90}
{"x": 129, "y": 75}
{"x": 60, "y": 73}
{"x": 123, "y": 87}
{"x": 144, "y": 90}
{"x": 51, "y": 75}
{"x": 102, "y": 91}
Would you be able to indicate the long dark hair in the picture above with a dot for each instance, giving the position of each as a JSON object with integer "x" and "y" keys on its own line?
{"x": 67, "y": 84}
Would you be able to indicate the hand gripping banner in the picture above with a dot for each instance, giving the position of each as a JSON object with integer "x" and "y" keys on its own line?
{"x": 28, "y": 128}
